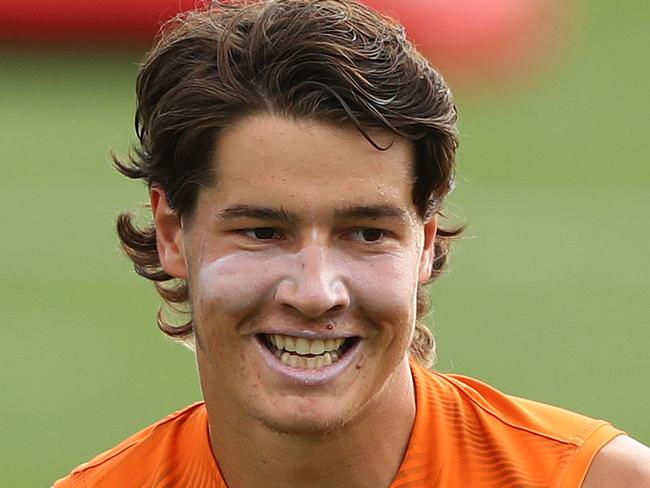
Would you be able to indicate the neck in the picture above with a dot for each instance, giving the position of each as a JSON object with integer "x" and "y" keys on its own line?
{"x": 367, "y": 451}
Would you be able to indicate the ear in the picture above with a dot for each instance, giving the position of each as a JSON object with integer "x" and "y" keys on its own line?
{"x": 428, "y": 250}
{"x": 169, "y": 235}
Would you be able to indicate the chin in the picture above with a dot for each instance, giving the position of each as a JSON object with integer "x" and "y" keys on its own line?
{"x": 306, "y": 420}
{"x": 303, "y": 427}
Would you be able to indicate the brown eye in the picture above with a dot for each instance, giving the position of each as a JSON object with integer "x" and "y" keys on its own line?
{"x": 261, "y": 233}
{"x": 372, "y": 234}
{"x": 367, "y": 235}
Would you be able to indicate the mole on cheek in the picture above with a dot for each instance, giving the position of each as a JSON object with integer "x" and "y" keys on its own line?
{"x": 359, "y": 364}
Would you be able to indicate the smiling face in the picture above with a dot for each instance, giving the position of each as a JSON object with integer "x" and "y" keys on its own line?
{"x": 303, "y": 263}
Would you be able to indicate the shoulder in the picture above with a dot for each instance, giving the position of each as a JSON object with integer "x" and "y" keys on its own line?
{"x": 622, "y": 463}
{"x": 532, "y": 419}
{"x": 548, "y": 445}
{"x": 137, "y": 457}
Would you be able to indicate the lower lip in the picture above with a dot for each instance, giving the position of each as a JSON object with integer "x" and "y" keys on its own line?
{"x": 309, "y": 377}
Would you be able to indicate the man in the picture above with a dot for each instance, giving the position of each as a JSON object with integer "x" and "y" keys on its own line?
{"x": 298, "y": 153}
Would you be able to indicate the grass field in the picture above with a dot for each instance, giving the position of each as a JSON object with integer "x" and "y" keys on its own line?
{"x": 548, "y": 295}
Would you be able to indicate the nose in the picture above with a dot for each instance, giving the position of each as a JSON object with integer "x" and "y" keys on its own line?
{"x": 314, "y": 284}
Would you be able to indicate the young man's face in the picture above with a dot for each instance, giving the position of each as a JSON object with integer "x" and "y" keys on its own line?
{"x": 303, "y": 264}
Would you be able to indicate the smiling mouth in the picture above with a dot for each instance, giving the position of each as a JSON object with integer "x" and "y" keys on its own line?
{"x": 302, "y": 353}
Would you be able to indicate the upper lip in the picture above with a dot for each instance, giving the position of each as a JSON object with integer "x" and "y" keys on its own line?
{"x": 310, "y": 334}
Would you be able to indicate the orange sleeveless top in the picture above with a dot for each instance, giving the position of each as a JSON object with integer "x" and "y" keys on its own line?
{"x": 466, "y": 434}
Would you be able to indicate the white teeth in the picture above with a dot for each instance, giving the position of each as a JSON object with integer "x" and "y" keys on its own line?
{"x": 312, "y": 362}
{"x": 285, "y": 358}
{"x": 317, "y": 346}
{"x": 296, "y": 361}
{"x": 302, "y": 346}
{"x": 299, "y": 352}
{"x": 289, "y": 343}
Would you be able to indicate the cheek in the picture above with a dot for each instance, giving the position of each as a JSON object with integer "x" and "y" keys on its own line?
{"x": 386, "y": 290}
{"x": 229, "y": 288}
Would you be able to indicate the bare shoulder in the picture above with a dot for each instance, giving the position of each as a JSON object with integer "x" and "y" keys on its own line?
{"x": 622, "y": 463}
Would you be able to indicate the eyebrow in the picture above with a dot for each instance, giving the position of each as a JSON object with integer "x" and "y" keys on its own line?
{"x": 257, "y": 212}
{"x": 372, "y": 212}
{"x": 283, "y": 215}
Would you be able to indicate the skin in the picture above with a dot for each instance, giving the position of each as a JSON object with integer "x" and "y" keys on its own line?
{"x": 296, "y": 238}
{"x": 314, "y": 266}
{"x": 622, "y": 463}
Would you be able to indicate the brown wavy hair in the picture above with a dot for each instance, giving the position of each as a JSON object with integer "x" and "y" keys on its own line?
{"x": 334, "y": 61}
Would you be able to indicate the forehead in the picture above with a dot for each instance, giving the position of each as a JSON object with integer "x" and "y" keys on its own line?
{"x": 272, "y": 159}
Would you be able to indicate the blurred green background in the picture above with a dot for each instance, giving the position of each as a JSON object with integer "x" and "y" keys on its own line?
{"x": 547, "y": 295}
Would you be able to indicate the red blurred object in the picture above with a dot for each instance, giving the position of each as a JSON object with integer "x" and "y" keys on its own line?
{"x": 471, "y": 41}
{"x": 78, "y": 22}
{"x": 482, "y": 40}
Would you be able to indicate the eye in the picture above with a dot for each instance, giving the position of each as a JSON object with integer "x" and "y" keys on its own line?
{"x": 262, "y": 233}
{"x": 367, "y": 235}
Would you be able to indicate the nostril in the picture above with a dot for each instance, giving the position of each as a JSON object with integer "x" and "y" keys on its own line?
{"x": 312, "y": 298}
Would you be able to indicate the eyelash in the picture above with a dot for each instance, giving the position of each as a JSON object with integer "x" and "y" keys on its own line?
{"x": 255, "y": 230}
{"x": 382, "y": 234}
{"x": 269, "y": 233}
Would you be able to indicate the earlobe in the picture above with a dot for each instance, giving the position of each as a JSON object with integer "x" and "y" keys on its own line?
{"x": 169, "y": 235}
{"x": 428, "y": 250}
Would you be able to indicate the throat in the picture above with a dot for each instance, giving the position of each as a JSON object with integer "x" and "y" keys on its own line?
{"x": 368, "y": 450}
{"x": 318, "y": 463}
